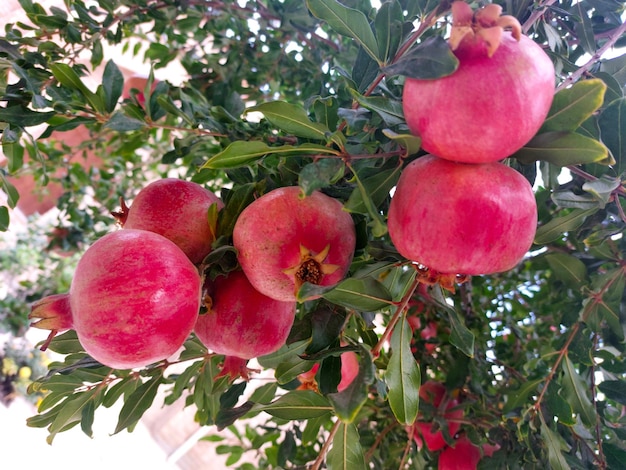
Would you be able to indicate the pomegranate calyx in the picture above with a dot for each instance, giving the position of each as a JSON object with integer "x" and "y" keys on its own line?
{"x": 121, "y": 215}
{"x": 431, "y": 277}
{"x": 485, "y": 26}
{"x": 234, "y": 367}
{"x": 311, "y": 268}
{"x": 51, "y": 313}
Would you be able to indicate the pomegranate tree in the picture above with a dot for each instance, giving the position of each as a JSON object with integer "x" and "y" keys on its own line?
{"x": 458, "y": 218}
{"x": 242, "y": 322}
{"x": 445, "y": 407}
{"x": 133, "y": 300}
{"x": 495, "y": 101}
{"x": 285, "y": 239}
{"x": 176, "y": 209}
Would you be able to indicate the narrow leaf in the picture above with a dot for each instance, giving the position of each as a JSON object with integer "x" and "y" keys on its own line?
{"x": 292, "y": 119}
{"x": 573, "y": 106}
{"x": 346, "y": 452}
{"x": 612, "y": 124}
{"x": 575, "y": 392}
{"x": 567, "y": 268}
{"x": 556, "y": 227}
{"x": 554, "y": 444}
{"x": 614, "y": 390}
{"x": 563, "y": 149}
{"x": 138, "y": 403}
{"x": 66, "y": 76}
{"x": 348, "y": 402}
{"x": 428, "y": 60}
{"x": 403, "y": 375}
{"x": 377, "y": 189}
{"x": 297, "y": 404}
{"x": 112, "y": 83}
{"x": 348, "y": 22}
{"x": 365, "y": 294}
{"x": 20, "y": 116}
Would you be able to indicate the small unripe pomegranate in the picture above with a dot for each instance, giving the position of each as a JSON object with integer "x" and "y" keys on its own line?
{"x": 285, "y": 239}
{"x": 495, "y": 101}
{"x": 178, "y": 210}
{"x": 458, "y": 218}
{"x": 242, "y": 322}
{"x": 133, "y": 300}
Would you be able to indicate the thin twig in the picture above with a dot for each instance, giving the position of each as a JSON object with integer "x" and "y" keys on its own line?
{"x": 534, "y": 16}
{"x": 322, "y": 455}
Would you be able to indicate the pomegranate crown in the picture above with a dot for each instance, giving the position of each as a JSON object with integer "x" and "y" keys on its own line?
{"x": 484, "y": 25}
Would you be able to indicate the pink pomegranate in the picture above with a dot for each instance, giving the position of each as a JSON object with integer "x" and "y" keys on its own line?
{"x": 349, "y": 369}
{"x": 241, "y": 321}
{"x": 435, "y": 394}
{"x": 496, "y": 100}
{"x": 458, "y": 218}
{"x": 285, "y": 239}
{"x": 178, "y": 210}
{"x": 133, "y": 301}
{"x": 464, "y": 455}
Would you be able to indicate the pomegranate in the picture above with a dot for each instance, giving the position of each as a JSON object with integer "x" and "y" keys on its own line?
{"x": 464, "y": 455}
{"x": 176, "y": 209}
{"x": 285, "y": 239}
{"x": 495, "y": 101}
{"x": 133, "y": 300}
{"x": 349, "y": 369}
{"x": 241, "y": 321}
{"x": 435, "y": 394}
{"x": 458, "y": 218}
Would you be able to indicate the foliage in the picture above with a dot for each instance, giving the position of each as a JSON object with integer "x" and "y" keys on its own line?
{"x": 285, "y": 92}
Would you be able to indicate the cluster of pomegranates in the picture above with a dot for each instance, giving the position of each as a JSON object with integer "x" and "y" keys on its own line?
{"x": 459, "y": 210}
{"x": 140, "y": 291}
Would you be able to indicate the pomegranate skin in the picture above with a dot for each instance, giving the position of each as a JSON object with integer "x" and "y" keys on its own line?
{"x": 134, "y": 298}
{"x": 242, "y": 322}
{"x": 486, "y": 110}
{"x": 178, "y": 210}
{"x": 463, "y": 456}
{"x": 275, "y": 232}
{"x": 458, "y": 218}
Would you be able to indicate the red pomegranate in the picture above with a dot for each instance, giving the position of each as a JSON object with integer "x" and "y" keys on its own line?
{"x": 178, "y": 210}
{"x": 133, "y": 301}
{"x": 496, "y": 100}
{"x": 464, "y": 455}
{"x": 434, "y": 394}
{"x": 241, "y": 321}
{"x": 458, "y": 218}
{"x": 285, "y": 239}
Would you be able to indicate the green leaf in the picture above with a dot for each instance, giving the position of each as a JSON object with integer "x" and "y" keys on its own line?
{"x": 518, "y": 398}
{"x": 70, "y": 411}
{"x": 388, "y": 24}
{"x": 410, "y": 142}
{"x": 284, "y": 354}
{"x": 614, "y": 390}
{"x": 375, "y": 188}
{"x": 558, "y": 406}
{"x": 460, "y": 335}
{"x": 349, "y": 401}
{"x": 584, "y": 30}
{"x": 121, "y": 122}
{"x": 612, "y": 123}
{"x": 138, "y": 403}
{"x": 563, "y": 149}
{"x": 365, "y": 294}
{"x": 319, "y": 174}
{"x": 112, "y": 84}
{"x": 378, "y": 226}
{"x": 12, "y": 196}
{"x": 388, "y": 109}
{"x": 66, "y": 343}
{"x": 66, "y": 76}
{"x": 567, "y": 268}
{"x": 241, "y": 153}
{"x": 5, "y": 218}
{"x": 555, "y": 228}
{"x": 348, "y": 22}
{"x": 574, "y": 105}
{"x": 575, "y": 392}
{"x": 615, "y": 456}
{"x": 346, "y": 452}
{"x": 554, "y": 444}
{"x": 297, "y": 404}
{"x": 403, "y": 375}
{"x": 427, "y": 60}
{"x": 292, "y": 119}
{"x": 20, "y": 116}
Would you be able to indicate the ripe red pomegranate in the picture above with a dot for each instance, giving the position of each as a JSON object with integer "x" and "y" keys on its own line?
{"x": 349, "y": 369}
{"x": 285, "y": 239}
{"x": 133, "y": 301}
{"x": 241, "y": 321}
{"x": 176, "y": 209}
{"x": 496, "y": 100}
{"x": 435, "y": 394}
{"x": 464, "y": 455}
{"x": 458, "y": 218}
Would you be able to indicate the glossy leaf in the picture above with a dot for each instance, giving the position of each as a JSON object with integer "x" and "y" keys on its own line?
{"x": 321, "y": 173}
{"x": 612, "y": 124}
{"x": 241, "y": 153}
{"x": 138, "y": 403}
{"x": 5, "y": 219}
{"x": 376, "y": 189}
{"x": 563, "y": 149}
{"x": 427, "y": 60}
{"x": 362, "y": 294}
{"x": 575, "y": 392}
{"x": 346, "y": 21}
{"x": 389, "y": 110}
{"x": 567, "y": 268}
{"x": 20, "y": 116}
{"x": 388, "y": 24}
{"x": 349, "y": 402}
{"x": 112, "y": 84}
{"x": 554, "y": 445}
{"x": 292, "y": 119}
{"x": 68, "y": 77}
{"x": 614, "y": 390}
{"x": 403, "y": 375}
{"x": 572, "y": 106}
{"x": 346, "y": 452}
{"x": 555, "y": 228}
{"x": 297, "y": 404}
